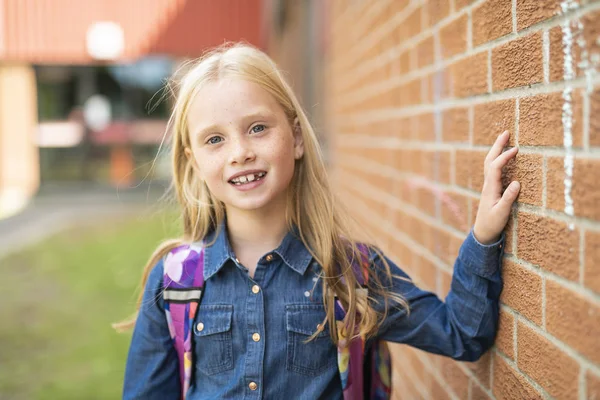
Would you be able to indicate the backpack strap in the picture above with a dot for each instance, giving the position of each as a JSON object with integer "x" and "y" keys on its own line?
{"x": 360, "y": 371}
{"x": 183, "y": 283}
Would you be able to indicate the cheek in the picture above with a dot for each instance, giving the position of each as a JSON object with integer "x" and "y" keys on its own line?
{"x": 207, "y": 166}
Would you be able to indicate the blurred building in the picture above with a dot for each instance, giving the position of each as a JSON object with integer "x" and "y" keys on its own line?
{"x": 57, "y": 54}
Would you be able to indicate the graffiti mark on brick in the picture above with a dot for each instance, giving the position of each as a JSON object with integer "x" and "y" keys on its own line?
{"x": 420, "y": 183}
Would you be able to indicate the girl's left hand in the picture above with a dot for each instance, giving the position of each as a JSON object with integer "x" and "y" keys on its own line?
{"x": 494, "y": 206}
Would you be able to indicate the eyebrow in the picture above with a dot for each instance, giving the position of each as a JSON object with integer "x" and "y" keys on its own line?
{"x": 261, "y": 113}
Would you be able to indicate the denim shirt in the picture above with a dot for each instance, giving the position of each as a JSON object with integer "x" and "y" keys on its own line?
{"x": 249, "y": 333}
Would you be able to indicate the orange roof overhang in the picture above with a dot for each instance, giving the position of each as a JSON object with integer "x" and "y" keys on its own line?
{"x": 54, "y": 31}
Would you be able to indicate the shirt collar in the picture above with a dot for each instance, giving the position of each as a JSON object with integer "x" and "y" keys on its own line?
{"x": 291, "y": 250}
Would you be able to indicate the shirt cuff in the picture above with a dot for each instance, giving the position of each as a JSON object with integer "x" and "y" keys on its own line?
{"x": 482, "y": 259}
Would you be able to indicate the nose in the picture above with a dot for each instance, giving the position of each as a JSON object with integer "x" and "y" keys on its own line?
{"x": 241, "y": 152}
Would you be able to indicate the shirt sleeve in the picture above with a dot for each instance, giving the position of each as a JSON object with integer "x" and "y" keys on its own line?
{"x": 152, "y": 370}
{"x": 464, "y": 326}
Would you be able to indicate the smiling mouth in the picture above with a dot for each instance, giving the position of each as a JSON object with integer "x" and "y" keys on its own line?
{"x": 241, "y": 180}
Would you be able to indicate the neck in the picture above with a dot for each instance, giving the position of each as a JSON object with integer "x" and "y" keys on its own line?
{"x": 261, "y": 230}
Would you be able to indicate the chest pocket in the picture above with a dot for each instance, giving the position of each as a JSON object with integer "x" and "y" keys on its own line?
{"x": 319, "y": 354}
{"x": 213, "y": 339}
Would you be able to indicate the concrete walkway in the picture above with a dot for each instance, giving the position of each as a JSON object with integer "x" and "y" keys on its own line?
{"x": 61, "y": 206}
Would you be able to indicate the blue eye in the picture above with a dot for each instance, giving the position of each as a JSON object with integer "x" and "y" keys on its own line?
{"x": 260, "y": 126}
{"x": 212, "y": 140}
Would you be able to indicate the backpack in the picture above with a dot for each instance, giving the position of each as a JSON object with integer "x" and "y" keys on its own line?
{"x": 364, "y": 375}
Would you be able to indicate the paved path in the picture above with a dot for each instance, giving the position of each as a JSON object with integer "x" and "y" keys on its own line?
{"x": 58, "y": 207}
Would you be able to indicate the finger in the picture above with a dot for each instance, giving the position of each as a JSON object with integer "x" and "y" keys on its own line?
{"x": 508, "y": 198}
{"x": 495, "y": 170}
{"x": 497, "y": 147}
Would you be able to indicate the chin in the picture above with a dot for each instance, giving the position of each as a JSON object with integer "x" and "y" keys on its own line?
{"x": 250, "y": 204}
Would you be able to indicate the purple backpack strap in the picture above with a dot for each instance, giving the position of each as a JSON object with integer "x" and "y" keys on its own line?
{"x": 183, "y": 283}
{"x": 351, "y": 358}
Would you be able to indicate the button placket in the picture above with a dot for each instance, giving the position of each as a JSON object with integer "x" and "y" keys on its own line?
{"x": 255, "y": 317}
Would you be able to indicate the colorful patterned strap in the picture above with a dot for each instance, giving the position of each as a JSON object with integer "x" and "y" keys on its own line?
{"x": 183, "y": 281}
{"x": 351, "y": 359}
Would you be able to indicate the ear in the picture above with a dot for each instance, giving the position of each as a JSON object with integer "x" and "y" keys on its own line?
{"x": 190, "y": 157}
{"x": 298, "y": 139}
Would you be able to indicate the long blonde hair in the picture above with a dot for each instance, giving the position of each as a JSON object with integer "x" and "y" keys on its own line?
{"x": 322, "y": 222}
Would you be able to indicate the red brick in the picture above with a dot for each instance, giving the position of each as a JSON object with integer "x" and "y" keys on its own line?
{"x": 436, "y": 165}
{"x": 424, "y": 129}
{"x": 404, "y": 62}
{"x": 556, "y": 62}
{"x": 455, "y": 125}
{"x": 527, "y": 169}
{"x": 438, "y": 391}
{"x": 427, "y": 273}
{"x": 508, "y": 231}
{"x": 426, "y": 201}
{"x": 445, "y": 283}
{"x": 594, "y": 120}
{"x": 505, "y": 336}
{"x": 549, "y": 244}
{"x": 510, "y": 384}
{"x": 593, "y": 386}
{"x": 426, "y": 94}
{"x": 436, "y": 10}
{"x": 574, "y": 319}
{"x": 585, "y": 190}
{"x": 458, "y": 4}
{"x": 530, "y": 12}
{"x": 441, "y": 84}
{"x": 410, "y": 27}
{"x": 408, "y": 94}
{"x": 522, "y": 291}
{"x": 455, "y": 377}
{"x": 453, "y": 37}
{"x": 469, "y": 168}
{"x": 425, "y": 53}
{"x": 469, "y": 76}
{"x": 481, "y": 369}
{"x": 477, "y": 393}
{"x": 591, "y": 274}
{"x": 491, "y": 119}
{"x": 540, "y": 120}
{"x": 455, "y": 210}
{"x": 445, "y": 245}
{"x": 517, "y": 63}
{"x": 444, "y": 161}
{"x": 591, "y": 31}
{"x": 491, "y": 20}
{"x": 549, "y": 366}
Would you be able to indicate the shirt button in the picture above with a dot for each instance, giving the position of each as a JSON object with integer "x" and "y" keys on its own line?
{"x": 256, "y": 337}
{"x": 200, "y": 326}
{"x": 255, "y": 289}
{"x": 269, "y": 257}
{"x": 253, "y": 386}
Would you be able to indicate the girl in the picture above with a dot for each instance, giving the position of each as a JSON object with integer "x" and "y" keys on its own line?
{"x": 277, "y": 252}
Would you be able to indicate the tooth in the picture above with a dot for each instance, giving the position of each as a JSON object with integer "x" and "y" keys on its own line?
{"x": 250, "y": 178}
{"x": 242, "y": 179}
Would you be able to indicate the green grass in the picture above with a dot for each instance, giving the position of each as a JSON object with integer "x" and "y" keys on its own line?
{"x": 58, "y": 300}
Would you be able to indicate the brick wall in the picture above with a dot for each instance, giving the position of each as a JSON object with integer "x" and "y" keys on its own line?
{"x": 417, "y": 91}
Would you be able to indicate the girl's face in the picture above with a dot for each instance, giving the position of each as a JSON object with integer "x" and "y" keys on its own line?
{"x": 242, "y": 144}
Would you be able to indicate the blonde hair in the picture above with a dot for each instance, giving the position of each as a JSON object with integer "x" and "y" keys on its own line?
{"x": 322, "y": 223}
